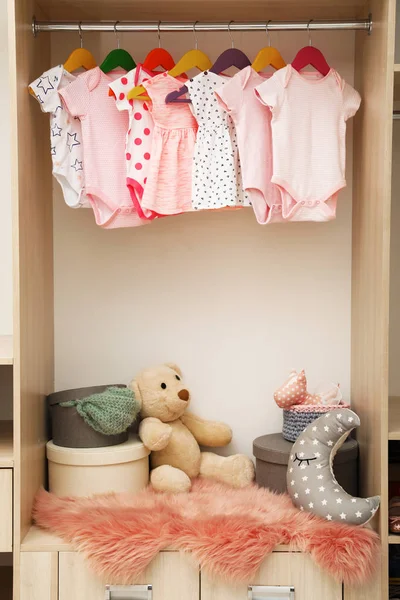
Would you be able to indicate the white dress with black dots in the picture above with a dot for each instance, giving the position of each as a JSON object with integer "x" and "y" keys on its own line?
{"x": 217, "y": 180}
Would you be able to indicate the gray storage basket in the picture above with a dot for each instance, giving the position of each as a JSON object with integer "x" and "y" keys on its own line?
{"x": 69, "y": 429}
{"x": 297, "y": 418}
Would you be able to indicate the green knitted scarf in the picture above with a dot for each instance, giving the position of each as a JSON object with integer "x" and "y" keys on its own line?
{"x": 109, "y": 412}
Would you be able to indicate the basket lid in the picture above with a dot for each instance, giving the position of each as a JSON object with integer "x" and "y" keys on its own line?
{"x": 273, "y": 448}
{"x": 129, "y": 451}
{"x": 78, "y": 393}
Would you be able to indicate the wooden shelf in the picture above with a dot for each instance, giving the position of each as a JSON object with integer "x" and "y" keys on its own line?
{"x": 37, "y": 540}
{"x": 189, "y": 10}
{"x": 397, "y": 68}
{"x": 6, "y": 350}
{"x": 6, "y": 444}
{"x": 394, "y": 539}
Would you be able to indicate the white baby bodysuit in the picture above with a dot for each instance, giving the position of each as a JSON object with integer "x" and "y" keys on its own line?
{"x": 65, "y": 135}
{"x": 309, "y": 114}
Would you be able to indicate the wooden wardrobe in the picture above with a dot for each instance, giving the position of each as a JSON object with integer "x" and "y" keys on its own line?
{"x": 44, "y": 567}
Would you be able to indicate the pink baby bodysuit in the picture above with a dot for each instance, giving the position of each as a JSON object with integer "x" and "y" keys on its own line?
{"x": 103, "y": 132}
{"x": 253, "y": 126}
{"x": 138, "y": 137}
{"x": 309, "y": 114}
{"x": 169, "y": 182}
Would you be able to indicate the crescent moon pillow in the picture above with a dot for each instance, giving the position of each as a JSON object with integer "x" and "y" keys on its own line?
{"x": 311, "y": 482}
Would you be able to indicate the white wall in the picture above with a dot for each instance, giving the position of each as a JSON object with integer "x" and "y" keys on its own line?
{"x": 235, "y": 304}
{"x": 5, "y": 195}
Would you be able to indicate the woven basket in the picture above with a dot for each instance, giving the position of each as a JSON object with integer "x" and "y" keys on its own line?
{"x": 297, "y": 418}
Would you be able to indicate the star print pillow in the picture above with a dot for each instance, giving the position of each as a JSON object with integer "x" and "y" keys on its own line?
{"x": 311, "y": 482}
{"x": 65, "y": 135}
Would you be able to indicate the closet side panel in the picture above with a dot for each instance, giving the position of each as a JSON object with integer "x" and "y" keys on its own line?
{"x": 370, "y": 263}
{"x": 33, "y": 259}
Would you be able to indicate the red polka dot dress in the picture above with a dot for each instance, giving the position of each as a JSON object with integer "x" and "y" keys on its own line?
{"x": 139, "y": 136}
{"x": 168, "y": 189}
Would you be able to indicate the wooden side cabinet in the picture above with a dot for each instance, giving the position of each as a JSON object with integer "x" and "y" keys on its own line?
{"x": 279, "y": 573}
{"x": 65, "y": 576}
{"x": 174, "y": 576}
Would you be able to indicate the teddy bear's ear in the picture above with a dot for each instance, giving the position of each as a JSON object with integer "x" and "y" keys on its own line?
{"x": 136, "y": 390}
{"x": 174, "y": 367}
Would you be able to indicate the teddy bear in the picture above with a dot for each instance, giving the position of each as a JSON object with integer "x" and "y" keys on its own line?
{"x": 174, "y": 435}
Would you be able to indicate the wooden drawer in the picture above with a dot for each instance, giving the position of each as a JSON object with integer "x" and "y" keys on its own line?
{"x": 6, "y": 510}
{"x": 171, "y": 575}
{"x": 280, "y": 569}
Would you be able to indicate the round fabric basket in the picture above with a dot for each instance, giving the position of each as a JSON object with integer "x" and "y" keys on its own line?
{"x": 297, "y": 418}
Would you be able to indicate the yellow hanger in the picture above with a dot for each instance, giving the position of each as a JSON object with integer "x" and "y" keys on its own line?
{"x": 193, "y": 58}
{"x": 268, "y": 57}
{"x": 80, "y": 58}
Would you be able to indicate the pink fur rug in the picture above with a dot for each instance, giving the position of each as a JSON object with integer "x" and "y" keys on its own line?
{"x": 228, "y": 531}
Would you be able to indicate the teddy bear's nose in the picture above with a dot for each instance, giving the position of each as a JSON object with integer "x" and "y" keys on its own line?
{"x": 183, "y": 395}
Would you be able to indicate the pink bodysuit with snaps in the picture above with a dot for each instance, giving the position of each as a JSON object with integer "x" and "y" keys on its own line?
{"x": 309, "y": 114}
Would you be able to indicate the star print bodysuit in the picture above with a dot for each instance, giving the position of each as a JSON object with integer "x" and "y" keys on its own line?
{"x": 217, "y": 178}
{"x": 65, "y": 135}
{"x": 309, "y": 115}
{"x": 103, "y": 131}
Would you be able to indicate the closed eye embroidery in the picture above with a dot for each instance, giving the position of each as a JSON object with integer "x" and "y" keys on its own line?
{"x": 303, "y": 460}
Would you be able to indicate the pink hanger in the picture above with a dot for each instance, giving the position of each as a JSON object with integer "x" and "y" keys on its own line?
{"x": 309, "y": 55}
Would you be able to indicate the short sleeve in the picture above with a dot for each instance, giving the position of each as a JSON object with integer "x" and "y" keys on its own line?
{"x": 230, "y": 95}
{"x": 351, "y": 101}
{"x": 120, "y": 89}
{"x": 76, "y": 96}
{"x": 44, "y": 89}
{"x": 271, "y": 91}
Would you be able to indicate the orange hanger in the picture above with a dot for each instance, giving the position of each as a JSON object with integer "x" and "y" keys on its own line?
{"x": 158, "y": 57}
{"x": 80, "y": 58}
{"x": 268, "y": 56}
{"x": 192, "y": 59}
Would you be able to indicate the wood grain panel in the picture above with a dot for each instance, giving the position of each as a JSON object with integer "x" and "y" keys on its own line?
{"x": 172, "y": 575}
{"x": 39, "y": 576}
{"x": 33, "y": 255}
{"x": 371, "y": 257}
{"x": 285, "y": 569}
{"x": 33, "y": 263}
{"x": 6, "y": 510}
{"x": 223, "y": 10}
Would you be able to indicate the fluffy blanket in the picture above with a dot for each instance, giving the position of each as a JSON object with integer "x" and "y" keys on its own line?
{"x": 228, "y": 531}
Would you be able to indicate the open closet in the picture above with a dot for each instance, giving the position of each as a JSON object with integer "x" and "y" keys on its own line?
{"x": 235, "y": 303}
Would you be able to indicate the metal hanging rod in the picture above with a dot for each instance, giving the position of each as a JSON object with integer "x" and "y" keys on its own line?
{"x": 137, "y": 26}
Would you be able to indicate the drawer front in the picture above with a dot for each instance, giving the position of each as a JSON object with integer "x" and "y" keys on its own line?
{"x": 283, "y": 576}
{"x": 170, "y": 576}
{"x": 6, "y": 510}
{"x": 38, "y": 576}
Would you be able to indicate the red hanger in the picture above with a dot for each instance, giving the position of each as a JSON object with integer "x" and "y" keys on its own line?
{"x": 309, "y": 55}
{"x": 159, "y": 57}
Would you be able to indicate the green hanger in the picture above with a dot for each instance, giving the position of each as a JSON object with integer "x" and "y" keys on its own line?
{"x": 117, "y": 58}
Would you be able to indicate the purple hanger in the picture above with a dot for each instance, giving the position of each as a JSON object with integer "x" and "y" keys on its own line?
{"x": 175, "y": 96}
{"x": 233, "y": 57}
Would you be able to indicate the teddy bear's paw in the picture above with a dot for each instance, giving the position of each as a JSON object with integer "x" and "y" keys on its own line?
{"x": 170, "y": 479}
{"x": 239, "y": 470}
{"x": 236, "y": 471}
